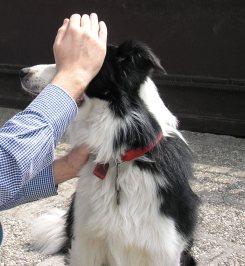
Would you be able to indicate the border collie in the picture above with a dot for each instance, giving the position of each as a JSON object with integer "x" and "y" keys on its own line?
{"x": 133, "y": 204}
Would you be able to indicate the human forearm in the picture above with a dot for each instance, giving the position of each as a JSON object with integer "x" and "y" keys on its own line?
{"x": 56, "y": 107}
{"x": 44, "y": 184}
{"x": 27, "y": 140}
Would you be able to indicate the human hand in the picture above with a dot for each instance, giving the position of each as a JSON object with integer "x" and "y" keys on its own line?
{"x": 68, "y": 167}
{"x": 79, "y": 51}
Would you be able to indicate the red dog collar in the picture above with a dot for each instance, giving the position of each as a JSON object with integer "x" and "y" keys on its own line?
{"x": 133, "y": 154}
{"x": 100, "y": 170}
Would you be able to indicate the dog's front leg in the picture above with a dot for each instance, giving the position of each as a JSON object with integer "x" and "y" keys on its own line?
{"x": 88, "y": 252}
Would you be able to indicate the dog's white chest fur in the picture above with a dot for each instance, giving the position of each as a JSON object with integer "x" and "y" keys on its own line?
{"x": 131, "y": 233}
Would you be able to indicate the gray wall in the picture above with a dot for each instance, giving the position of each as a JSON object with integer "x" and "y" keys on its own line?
{"x": 6, "y": 113}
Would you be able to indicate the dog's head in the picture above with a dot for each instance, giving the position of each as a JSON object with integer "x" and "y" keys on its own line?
{"x": 121, "y": 107}
{"x": 125, "y": 68}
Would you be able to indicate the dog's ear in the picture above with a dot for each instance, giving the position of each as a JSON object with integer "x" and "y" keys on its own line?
{"x": 134, "y": 55}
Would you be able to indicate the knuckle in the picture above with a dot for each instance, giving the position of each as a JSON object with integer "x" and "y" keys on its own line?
{"x": 86, "y": 35}
{"x": 73, "y": 30}
{"x": 60, "y": 29}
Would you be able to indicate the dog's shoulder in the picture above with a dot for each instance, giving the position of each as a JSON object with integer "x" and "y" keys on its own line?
{"x": 171, "y": 162}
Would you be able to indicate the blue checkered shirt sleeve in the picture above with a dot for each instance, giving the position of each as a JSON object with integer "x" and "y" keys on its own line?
{"x": 27, "y": 143}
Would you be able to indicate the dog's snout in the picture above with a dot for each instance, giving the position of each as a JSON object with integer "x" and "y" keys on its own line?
{"x": 23, "y": 72}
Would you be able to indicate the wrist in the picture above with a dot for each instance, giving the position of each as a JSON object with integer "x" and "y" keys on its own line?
{"x": 73, "y": 84}
{"x": 63, "y": 171}
{"x": 68, "y": 167}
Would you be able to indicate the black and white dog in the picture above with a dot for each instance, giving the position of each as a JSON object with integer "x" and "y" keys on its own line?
{"x": 133, "y": 205}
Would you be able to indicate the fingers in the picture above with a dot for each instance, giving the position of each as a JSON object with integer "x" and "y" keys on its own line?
{"x": 75, "y": 21}
{"x": 91, "y": 23}
{"x": 85, "y": 23}
{"x": 62, "y": 30}
{"x": 103, "y": 32}
{"x": 94, "y": 24}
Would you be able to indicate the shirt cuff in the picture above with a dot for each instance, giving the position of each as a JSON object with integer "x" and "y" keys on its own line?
{"x": 57, "y": 106}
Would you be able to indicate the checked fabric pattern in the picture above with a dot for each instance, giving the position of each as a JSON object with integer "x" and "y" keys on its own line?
{"x": 27, "y": 143}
